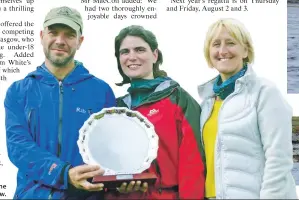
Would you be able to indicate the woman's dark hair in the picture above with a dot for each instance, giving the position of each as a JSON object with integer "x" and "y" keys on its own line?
{"x": 149, "y": 38}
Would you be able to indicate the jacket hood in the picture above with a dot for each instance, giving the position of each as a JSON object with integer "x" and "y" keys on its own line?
{"x": 78, "y": 74}
{"x": 206, "y": 90}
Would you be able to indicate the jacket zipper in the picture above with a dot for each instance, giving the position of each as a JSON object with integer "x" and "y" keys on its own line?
{"x": 216, "y": 146}
{"x": 60, "y": 118}
{"x": 59, "y": 128}
{"x": 60, "y": 122}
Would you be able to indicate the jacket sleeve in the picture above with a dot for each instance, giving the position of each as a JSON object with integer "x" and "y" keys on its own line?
{"x": 275, "y": 126}
{"x": 191, "y": 156}
{"x": 33, "y": 161}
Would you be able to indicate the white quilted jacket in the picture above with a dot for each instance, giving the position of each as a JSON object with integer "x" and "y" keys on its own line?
{"x": 253, "y": 151}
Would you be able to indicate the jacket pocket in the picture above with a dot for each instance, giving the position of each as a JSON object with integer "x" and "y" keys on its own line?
{"x": 32, "y": 117}
{"x": 32, "y": 124}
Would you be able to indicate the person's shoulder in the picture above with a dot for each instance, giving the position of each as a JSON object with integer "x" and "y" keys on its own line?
{"x": 182, "y": 96}
{"x": 19, "y": 89}
{"x": 265, "y": 85}
{"x": 262, "y": 81}
{"x": 182, "y": 92}
{"x": 20, "y": 86}
{"x": 266, "y": 90}
{"x": 98, "y": 82}
{"x": 268, "y": 94}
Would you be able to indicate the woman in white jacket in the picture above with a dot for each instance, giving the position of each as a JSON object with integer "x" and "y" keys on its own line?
{"x": 246, "y": 124}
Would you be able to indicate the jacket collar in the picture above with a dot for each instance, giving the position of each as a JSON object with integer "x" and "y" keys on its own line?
{"x": 78, "y": 74}
{"x": 127, "y": 99}
{"x": 206, "y": 90}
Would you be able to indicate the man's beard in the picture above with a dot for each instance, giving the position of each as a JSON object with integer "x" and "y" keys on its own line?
{"x": 59, "y": 62}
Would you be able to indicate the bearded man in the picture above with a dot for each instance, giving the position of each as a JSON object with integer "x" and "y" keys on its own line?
{"x": 45, "y": 110}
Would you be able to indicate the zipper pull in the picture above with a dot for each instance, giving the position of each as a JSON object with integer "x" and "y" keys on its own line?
{"x": 160, "y": 190}
{"x": 60, "y": 87}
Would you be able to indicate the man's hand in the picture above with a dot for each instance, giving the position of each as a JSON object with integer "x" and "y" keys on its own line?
{"x": 78, "y": 177}
{"x": 132, "y": 187}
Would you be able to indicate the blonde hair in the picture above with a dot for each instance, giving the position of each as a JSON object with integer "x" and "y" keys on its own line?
{"x": 237, "y": 30}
